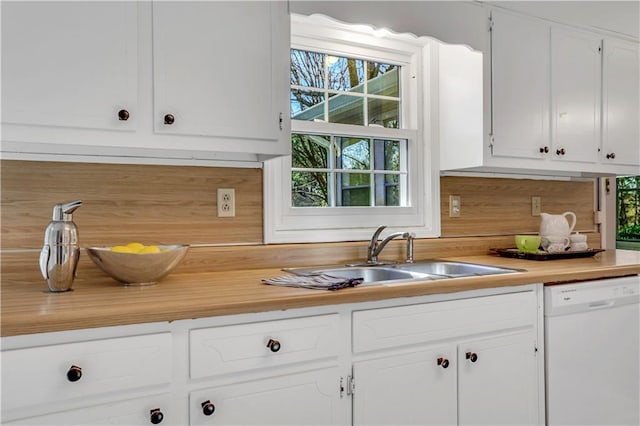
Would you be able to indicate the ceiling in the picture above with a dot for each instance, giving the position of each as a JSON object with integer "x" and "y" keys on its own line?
{"x": 622, "y": 17}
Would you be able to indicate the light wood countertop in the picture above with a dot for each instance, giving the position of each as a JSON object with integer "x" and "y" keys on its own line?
{"x": 27, "y": 307}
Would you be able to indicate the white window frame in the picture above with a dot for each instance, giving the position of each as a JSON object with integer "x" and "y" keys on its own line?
{"x": 286, "y": 224}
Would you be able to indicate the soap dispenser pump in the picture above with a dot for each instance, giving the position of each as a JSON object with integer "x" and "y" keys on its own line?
{"x": 60, "y": 252}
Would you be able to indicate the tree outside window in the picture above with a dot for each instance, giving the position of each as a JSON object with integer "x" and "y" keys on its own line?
{"x": 628, "y": 212}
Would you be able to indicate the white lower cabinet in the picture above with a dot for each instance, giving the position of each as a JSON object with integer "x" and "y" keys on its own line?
{"x": 309, "y": 398}
{"x": 131, "y": 412}
{"x": 463, "y": 358}
{"x": 470, "y": 361}
{"x": 406, "y": 389}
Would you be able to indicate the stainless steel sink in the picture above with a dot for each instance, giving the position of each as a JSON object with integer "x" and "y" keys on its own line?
{"x": 453, "y": 269}
{"x": 369, "y": 274}
{"x": 421, "y": 270}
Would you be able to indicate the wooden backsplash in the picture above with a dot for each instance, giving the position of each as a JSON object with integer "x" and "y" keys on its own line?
{"x": 497, "y": 206}
{"x": 177, "y": 204}
{"x": 123, "y": 203}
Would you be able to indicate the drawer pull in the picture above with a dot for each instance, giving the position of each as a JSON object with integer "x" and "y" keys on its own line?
{"x": 74, "y": 374}
{"x": 156, "y": 416}
{"x": 472, "y": 356}
{"x": 544, "y": 149}
{"x": 611, "y": 156}
{"x": 208, "y": 408}
{"x": 123, "y": 115}
{"x": 443, "y": 362}
{"x": 560, "y": 151}
{"x": 169, "y": 119}
{"x": 274, "y": 345}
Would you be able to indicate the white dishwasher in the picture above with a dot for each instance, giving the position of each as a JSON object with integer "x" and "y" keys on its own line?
{"x": 592, "y": 352}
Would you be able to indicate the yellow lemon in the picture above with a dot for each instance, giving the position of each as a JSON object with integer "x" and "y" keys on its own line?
{"x": 123, "y": 249}
{"x": 150, "y": 249}
{"x": 135, "y": 247}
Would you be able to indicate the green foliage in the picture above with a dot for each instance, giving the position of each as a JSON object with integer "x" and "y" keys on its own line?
{"x": 628, "y": 208}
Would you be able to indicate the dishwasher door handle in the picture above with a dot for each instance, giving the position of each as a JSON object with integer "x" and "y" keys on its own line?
{"x": 601, "y": 304}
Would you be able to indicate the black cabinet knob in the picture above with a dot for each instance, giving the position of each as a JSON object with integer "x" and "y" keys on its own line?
{"x": 274, "y": 345}
{"x": 611, "y": 156}
{"x": 74, "y": 374}
{"x": 123, "y": 115}
{"x": 443, "y": 362}
{"x": 544, "y": 149}
{"x": 169, "y": 119}
{"x": 156, "y": 416}
{"x": 560, "y": 151}
{"x": 208, "y": 408}
{"x": 472, "y": 356}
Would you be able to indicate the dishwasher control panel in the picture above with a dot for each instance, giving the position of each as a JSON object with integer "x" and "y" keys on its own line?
{"x": 593, "y": 294}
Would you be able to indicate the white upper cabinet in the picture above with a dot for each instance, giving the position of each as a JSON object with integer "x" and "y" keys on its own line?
{"x": 188, "y": 81}
{"x": 71, "y": 64}
{"x": 620, "y": 111}
{"x": 555, "y": 101}
{"x": 575, "y": 91}
{"x": 519, "y": 86}
{"x": 220, "y": 69}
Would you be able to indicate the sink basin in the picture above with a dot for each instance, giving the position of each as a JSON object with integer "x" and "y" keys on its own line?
{"x": 421, "y": 270}
{"x": 453, "y": 269}
{"x": 371, "y": 274}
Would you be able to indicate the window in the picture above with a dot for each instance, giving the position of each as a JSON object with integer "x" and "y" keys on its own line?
{"x": 360, "y": 139}
{"x": 628, "y": 212}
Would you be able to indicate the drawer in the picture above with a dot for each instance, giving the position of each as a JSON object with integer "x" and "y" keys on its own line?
{"x": 44, "y": 374}
{"x": 132, "y": 412}
{"x": 405, "y": 325}
{"x": 242, "y": 347}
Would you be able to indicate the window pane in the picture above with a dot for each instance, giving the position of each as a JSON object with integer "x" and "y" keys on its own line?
{"x": 384, "y": 112}
{"x": 387, "y": 190}
{"x": 353, "y": 153}
{"x": 345, "y": 74}
{"x": 307, "y": 69}
{"x": 355, "y": 189}
{"x": 386, "y": 154}
{"x": 310, "y": 151}
{"x": 383, "y": 79}
{"x": 346, "y": 109}
{"x": 309, "y": 189}
{"x": 307, "y": 105}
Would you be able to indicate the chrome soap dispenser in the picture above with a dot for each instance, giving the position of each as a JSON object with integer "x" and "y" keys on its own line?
{"x": 60, "y": 253}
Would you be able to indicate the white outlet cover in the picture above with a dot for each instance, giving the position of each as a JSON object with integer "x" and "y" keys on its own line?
{"x": 226, "y": 202}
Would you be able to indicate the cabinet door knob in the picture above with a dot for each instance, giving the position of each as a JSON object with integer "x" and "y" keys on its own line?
{"x": 611, "y": 156}
{"x": 123, "y": 115}
{"x": 274, "y": 345}
{"x": 169, "y": 119}
{"x": 544, "y": 149}
{"x": 156, "y": 416}
{"x": 74, "y": 374}
{"x": 208, "y": 408}
{"x": 443, "y": 362}
{"x": 560, "y": 151}
{"x": 472, "y": 356}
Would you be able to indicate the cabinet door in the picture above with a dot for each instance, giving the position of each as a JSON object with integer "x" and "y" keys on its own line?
{"x": 520, "y": 86}
{"x": 575, "y": 91}
{"x": 221, "y": 68}
{"x": 297, "y": 399}
{"x": 496, "y": 380}
{"x": 408, "y": 389}
{"x": 132, "y": 412}
{"x": 621, "y": 91}
{"x": 70, "y": 64}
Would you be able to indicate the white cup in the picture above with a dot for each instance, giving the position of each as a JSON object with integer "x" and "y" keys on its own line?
{"x": 578, "y": 242}
{"x": 554, "y": 243}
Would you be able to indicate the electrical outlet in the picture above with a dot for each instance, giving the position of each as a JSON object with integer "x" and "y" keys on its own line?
{"x": 535, "y": 206}
{"x": 226, "y": 202}
{"x": 454, "y": 206}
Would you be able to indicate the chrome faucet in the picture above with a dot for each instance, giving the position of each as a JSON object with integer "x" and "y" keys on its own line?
{"x": 376, "y": 246}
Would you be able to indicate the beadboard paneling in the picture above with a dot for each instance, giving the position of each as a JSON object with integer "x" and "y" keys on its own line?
{"x": 496, "y": 206}
{"x": 123, "y": 203}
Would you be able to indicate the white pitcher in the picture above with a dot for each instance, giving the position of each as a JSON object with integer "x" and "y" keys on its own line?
{"x": 557, "y": 225}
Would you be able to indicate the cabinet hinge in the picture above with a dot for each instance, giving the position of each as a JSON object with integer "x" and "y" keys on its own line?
{"x": 490, "y": 24}
{"x": 347, "y": 385}
{"x": 280, "y": 119}
{"x": 491, "y": 142}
